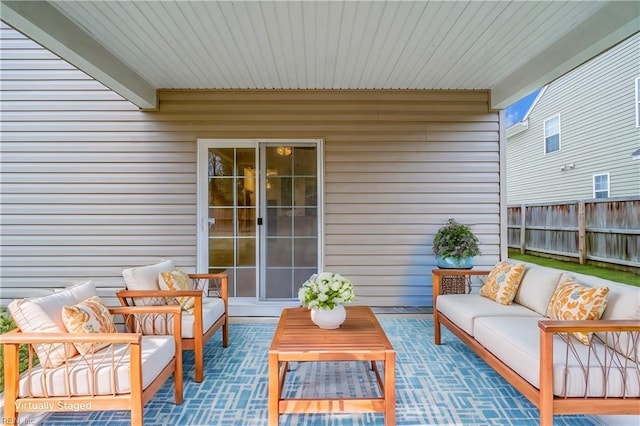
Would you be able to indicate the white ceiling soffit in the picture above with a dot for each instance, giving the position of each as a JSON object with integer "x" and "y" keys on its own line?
{"x": 509, "y": 47}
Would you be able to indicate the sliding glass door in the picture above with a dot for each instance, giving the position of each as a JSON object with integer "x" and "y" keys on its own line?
{"x": 259, "y": 209}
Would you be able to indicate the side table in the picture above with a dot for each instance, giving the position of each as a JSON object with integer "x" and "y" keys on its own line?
{"x": 453, "y": 281}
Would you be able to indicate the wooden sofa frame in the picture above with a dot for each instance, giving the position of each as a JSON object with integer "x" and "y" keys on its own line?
{"x": 133, "y": 401}
{"x": 201, "y": 337}
{"x": 543, "y": 398}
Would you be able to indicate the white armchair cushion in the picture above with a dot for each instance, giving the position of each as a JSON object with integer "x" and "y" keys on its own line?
{"x": 157, "y": 352}
{"x": 146, "y": 278}
{"x": 212, "y": 309}
{"x": 44, "y": 315}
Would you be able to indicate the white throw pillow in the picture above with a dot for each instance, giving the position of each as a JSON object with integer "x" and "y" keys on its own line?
{"x": 146, "y": 278}
{"x": 43, "y": 315}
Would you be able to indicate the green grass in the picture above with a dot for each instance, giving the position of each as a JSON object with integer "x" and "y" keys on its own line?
{"x": 608, "y": 274}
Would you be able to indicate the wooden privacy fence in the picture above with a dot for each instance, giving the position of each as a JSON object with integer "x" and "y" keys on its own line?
{"x": 606, "y": 230}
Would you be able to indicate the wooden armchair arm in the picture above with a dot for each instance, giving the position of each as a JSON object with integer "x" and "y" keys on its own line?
{"x": 152, "y": 309}
{"x": 16, "y": 337}
{"x": 200, "y": 279}
{"x": 200, "y": 283}
{"x": 166, "y": 294}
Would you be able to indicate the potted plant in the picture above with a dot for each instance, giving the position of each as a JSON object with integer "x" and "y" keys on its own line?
{"x": 455, "y": 245}
{"x": 325, "y": 294}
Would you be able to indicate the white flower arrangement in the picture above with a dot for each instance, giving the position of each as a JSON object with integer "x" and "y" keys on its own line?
{"x": 325, "y": 291}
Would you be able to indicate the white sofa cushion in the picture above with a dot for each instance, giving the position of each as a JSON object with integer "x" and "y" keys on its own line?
{"x": 537, "y": 287}
{"x": 212, "y": 309}
{"x": 516, "y": 342}
{"x": 146, "y": 278}
{"x": 44, "y": 315}
{"x": 463, "y": 309}
{"x": 157, "y": 352}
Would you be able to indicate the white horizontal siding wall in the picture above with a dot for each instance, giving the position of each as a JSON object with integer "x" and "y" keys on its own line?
{"x": 91, "y": 185}
{"x": 596, "y": 103}
{"x": 88, "y": 186}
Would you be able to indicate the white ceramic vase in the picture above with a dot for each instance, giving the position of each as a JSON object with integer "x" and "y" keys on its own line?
{"x": 329, "y": 319}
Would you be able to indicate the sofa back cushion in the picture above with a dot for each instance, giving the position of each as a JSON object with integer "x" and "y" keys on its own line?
{"x": 146, "y": 278}
{"x": 44, "y": 315}
{"x": 537, "y": 287}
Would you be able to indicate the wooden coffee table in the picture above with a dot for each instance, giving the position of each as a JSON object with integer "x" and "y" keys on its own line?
{"x": 359, "y": 338}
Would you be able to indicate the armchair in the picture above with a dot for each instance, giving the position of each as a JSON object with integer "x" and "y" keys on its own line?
{"x": 208, "y": 314}
{"x": 112, "y": 371}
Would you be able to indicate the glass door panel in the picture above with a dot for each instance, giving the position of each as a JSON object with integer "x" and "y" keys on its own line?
{"x": 290, "y": 237}
{"x": 232, "y": 217}
{"x": 259, "y": 217}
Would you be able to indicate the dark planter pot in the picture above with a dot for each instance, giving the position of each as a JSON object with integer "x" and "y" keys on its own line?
{"x": 452, "y": 263}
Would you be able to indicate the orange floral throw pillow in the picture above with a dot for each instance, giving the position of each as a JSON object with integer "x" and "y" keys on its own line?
{"x": 175, "y": 281}
{"x": 502, "y": 282}
{"x": 89, "y": 316}
{"x": 574, "y": 302}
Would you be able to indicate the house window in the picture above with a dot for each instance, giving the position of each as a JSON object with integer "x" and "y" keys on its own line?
{"x": 637, "y": 102}
{"x": 601, "y": 186}
{"x": 552, "y": 134}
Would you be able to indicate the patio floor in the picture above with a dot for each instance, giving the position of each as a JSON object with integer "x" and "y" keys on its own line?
{"x": 435, "y": 385}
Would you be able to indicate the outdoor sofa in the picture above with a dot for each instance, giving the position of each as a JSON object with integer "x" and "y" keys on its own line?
{"x": 559, "y": 371}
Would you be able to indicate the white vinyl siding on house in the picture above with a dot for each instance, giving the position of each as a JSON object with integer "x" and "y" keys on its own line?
{"x": 601, "y": 185}
{"x": 597, "y": 102}
{"x": 91, "y": 185}
{"x": 637, "y": 102}
{"x": 552, "y": 134}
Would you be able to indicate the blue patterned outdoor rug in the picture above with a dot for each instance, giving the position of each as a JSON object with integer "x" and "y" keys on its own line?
{"x": 435, "y": 385}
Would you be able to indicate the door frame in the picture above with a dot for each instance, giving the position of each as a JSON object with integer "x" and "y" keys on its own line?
{"x": 249, "y": 306}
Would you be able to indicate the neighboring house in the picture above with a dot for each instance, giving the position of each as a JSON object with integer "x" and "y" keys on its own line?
{"x": 581, "y": 137}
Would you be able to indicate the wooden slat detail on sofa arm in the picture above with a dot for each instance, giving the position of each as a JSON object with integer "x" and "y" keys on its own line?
{"x": 550, "y": 404}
